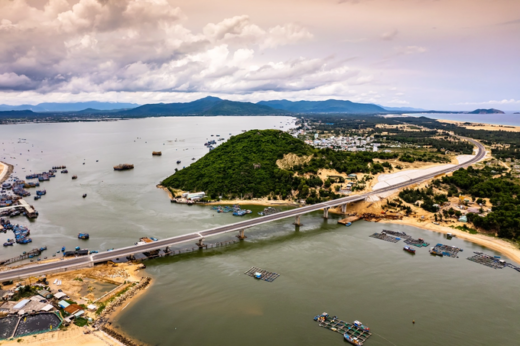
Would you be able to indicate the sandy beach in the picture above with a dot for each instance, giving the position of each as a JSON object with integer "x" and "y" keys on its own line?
{"x": 5, "y": 171}
{"x": 482, "y": 126}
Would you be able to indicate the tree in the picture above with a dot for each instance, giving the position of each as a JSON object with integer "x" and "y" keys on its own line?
{"x": 435, "y": 217}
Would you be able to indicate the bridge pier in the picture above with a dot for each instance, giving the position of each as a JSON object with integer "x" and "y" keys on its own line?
{"x": 344, "y": 208}
{"x": 326, "y": 213}
{"x": 241, "y": 235}
{"x": 297, "y": 221}
{"x": 201, "y": 244}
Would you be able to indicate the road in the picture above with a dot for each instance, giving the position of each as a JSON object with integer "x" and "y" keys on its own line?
{"x": 195, "y": 236}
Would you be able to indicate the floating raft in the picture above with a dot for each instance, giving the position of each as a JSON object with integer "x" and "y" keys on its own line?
{"x": 401, "y": 235}
{"x": 349, "y": 219}
{"x": 488, "y": 261}
{"x": 266, "y": 276}
{"x": 416, "y": 242}
{"x": 384, "y": 236}
{"x": 342, "y": 327}
{"x": 447, "y": 250}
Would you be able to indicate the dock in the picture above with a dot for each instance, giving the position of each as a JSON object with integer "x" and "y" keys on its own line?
{"x": 350, "y": 219}
{"x": 30, "y": 212}
{"x": 342, "y": 327}
{"x": 29, "y": 254}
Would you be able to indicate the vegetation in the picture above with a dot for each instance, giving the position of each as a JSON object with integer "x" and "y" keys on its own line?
{"x": 428, "y": 198}
{"x": 80, "y": 321}
{"x": 245, "y": 167}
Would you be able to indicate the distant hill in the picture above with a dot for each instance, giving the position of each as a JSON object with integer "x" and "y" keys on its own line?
{"x": 403, "y": 109}
{"x": 23, "y": 113}
{"x": 486, "y": 111}
{"x": 205, "y": 106}
{"x": 328, "y": 106}
{"x": 69, "y": 107}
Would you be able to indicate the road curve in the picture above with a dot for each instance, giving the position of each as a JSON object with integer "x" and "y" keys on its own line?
{"x": 122, "y": 252}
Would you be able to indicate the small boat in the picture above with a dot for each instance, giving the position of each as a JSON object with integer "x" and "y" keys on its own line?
{"x": 37, "y": 197}
{"x": 178, "y": 161}
{"x": 257, "y": 275}
{"x": 62, "y": 249}
{"x": 352, "y": 340}
{"x": 77, "y": 248}
{"x": 84, "y": 195}
{"x": 193, "y": 159}
{"x": 94, "y": 251}
{"x": 361, "y": 325}
{"x": 8, "y": 244}
{"x": 239, "y": 213}
{"x": 409, "y": 249}
{"x": 74, "y": 177}
{"x": 84, "y": 236}
{"x": 348, "y": 224}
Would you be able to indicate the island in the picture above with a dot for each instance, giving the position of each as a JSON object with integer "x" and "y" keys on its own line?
{"x": 487, "y": 111}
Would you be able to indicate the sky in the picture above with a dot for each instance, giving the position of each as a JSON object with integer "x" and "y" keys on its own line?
{"x": 432, "y": 54}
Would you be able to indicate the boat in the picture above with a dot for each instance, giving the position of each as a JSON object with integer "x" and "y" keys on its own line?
{"x": 37, "y": 197}
{"x": 64, "y": 171}
{"x": 239, "y": 213}
{"x": 77, "y": 248}
{"x": 435, "y": 253}
{"x": 94, "y": 251}
{"x": 409, "y": 249}
{"x": 123, "y": 167}
{"x": 74, "y": 177}
{"x": 156, "y": 153}
{"x": 257, "y": 275}
{"x": 84, "y": 236}
{"x": 178, "y": 161}
{"x": 63, "y": 249}
{"x": 8, "y": 244}
{"x": 193, "y": 159}
{"x": 352, "y": 340}
{"x": 361, "y": 325}
{"x": 348, "y": 224}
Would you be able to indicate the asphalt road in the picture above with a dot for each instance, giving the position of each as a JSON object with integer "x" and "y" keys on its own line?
{"x": 123, "y": 252}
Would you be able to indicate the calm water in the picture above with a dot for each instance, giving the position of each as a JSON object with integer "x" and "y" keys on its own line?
{"x": 499, "y": 119}
{"x": 204, "y": 298}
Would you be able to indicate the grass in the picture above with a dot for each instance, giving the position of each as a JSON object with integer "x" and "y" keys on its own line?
{"x": 465, "y": 228}
{"x": 81, "y": 322}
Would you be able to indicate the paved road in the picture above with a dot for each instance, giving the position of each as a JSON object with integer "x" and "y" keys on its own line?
{"x": 101, "y": 257}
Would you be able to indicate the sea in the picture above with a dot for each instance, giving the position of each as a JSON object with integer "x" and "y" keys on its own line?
{"x": 204, "y": 297}
{"x": 509, "y": 118}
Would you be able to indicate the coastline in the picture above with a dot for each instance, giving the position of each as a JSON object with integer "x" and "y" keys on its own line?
{"x": 481, "y": 126}
{"x": 490, "y": 242}
{"x": 7, "y": 169}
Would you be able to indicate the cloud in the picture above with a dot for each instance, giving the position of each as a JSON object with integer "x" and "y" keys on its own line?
{"x": 143, "y": 45}
{"x": 410, "y": 50}
{"x": 389, "y": 36}
{"x": 492, "y": 102}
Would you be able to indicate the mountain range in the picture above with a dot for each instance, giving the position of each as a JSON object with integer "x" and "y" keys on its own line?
{"x": 69, "y": 107}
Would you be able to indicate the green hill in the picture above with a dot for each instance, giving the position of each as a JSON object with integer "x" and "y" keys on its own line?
{"x": 245, "y": 167}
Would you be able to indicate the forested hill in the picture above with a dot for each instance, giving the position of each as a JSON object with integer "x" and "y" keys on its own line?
{"x": 245, "y": 164}
{"x": 245, "y": 167}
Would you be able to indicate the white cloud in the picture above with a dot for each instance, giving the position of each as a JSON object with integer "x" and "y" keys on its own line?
{"x": 389, "y": 36}
{"x": 492, "y": 102}
{"x": 411, "y": 50}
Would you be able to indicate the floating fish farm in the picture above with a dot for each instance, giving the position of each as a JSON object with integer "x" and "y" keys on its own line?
{"x": 446, "y": 250}
{"x": 385, "y": 237}
{"x": 265, "y": 275}
{"x": 491, "y": 261}
{"x": 417, "y": 242}
{"x": 361, "y": 332}
{"x": 401, "y": 235}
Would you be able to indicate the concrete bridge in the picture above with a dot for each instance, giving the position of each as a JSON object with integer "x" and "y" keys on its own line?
{"x": 239, "y": 228}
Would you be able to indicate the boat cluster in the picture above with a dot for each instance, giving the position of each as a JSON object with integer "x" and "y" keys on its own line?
{"x": 21, "y": 233}
{"x": 235, "y": 209}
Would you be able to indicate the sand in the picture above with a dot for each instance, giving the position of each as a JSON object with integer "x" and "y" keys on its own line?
{"x": 72, "y": 336}
{"x": 482, "y": 126}
{"x": 5, "y": 171}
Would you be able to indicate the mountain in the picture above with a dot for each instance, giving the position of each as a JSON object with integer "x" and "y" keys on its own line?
{"x": 486, "y": 111}
{"x": 205, "y": 106}
{"x": 22, "y": 113}
{"x": 69, "y": 107}
{"x": 403, "y": 109}
{"x": 328, "y": 106}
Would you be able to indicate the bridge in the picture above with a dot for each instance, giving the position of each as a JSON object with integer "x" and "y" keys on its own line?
{"x": 239, "y": 227}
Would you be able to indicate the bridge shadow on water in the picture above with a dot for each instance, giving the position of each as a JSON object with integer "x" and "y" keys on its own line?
{"x": 313, "y": 225}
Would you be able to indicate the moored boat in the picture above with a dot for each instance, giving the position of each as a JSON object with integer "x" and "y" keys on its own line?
{"x": 74, "y": 177}
{"x": 352, "y": 340}
{"x": 409, "y": 249}
{"x": 84, "y": 195}
{"x": 361, "y": 325}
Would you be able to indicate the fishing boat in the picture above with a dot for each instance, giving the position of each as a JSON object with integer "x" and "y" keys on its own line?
{"x": 348, "y": 224}
{"x": 352, "y": 340}
{"x": 74, "y": 177}
{"x": 8, "y": 244}
{"x": 37, "y": 197}
{"x": 64, "y": 171}
{"x": 178, "y": 161}
{"x": 123, "y": 167}
{"x": 84, "y": 195}
{"x": 84, "y": 236}
{"x": 63, "y": 249}
{"x": 361, "y": 325}
{"x": 239, "y": 213}
{"x": 409, "y": 249}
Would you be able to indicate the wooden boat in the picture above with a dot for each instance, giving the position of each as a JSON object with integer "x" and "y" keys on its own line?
{"x": 123, "y": 167}
{"x": 84, "y": 195}
{"x": 409, "y": 249}
{"x": 156, "y": 153}
{"x": 74, "y": 177}
{"x": 352, "y": 340}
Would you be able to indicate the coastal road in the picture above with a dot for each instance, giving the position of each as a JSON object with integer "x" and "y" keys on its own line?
{"x": 79, "y": 262}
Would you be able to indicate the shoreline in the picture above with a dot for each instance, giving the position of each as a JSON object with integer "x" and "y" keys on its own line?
{"x": 470, "y": 125}
{"x": 7, "y": 169}
{"x": 490, "y": 242}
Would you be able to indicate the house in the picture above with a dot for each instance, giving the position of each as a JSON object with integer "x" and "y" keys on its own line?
{"x": 45, "y": 294}
{"x": 73, "y": 309}
{"x": 63, "y": 304}
{"x": 59, "y": 295}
